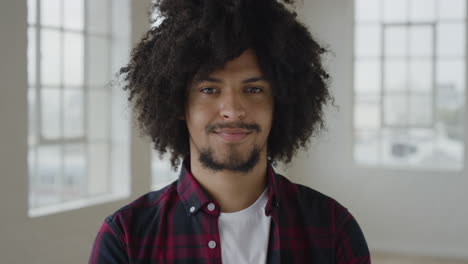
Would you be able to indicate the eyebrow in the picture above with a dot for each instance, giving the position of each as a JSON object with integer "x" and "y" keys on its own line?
{"x": 216, "y": 80}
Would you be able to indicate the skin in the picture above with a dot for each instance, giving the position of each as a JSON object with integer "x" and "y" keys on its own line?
{"x": 217, "y": 111}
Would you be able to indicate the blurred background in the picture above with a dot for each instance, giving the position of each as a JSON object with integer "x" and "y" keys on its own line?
{"x": 394, "y": 153}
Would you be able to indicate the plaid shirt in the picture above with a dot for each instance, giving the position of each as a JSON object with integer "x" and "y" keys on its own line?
{"x": 176, "y": 225}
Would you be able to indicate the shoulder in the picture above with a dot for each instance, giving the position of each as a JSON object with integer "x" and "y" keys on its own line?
{"x": 312, "y": 204}
{"x": 143, "y": 210}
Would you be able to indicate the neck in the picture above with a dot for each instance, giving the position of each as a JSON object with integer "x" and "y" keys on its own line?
{"x": 233, "y": 191}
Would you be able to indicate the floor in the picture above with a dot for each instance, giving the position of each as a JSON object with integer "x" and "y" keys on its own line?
{"x": 386, "y": 258}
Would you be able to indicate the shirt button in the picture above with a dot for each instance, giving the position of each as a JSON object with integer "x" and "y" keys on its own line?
{"x": 192, "y": 209}
{"x": 211, "y": 206}
{"x": 212, "y": 244}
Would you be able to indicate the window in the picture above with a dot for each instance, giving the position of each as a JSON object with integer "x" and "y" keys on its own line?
{"x": 409, "y": 83}
{"x": 78, "y": 126}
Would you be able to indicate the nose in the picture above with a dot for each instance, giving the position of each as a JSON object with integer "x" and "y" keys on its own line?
{"x": 232, "y": 108}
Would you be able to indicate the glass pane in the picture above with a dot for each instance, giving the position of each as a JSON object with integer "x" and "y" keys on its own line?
{"x": 73, "y": 59}
{"x": 161, "y": 171}
{"x": 32, "y": 10}
{"x": 120, "y": 116}
{"x": 98, "y": 61}
{"x": 367, "y": 112}
{"x": 420, "y": 76}
{"x": 74, "y": 171}
{"x": 451, "y": 78}
{"x": 46, "y": 189}
{"x": 50, "y": 57}
{"x": 452, "y": 9}
{"x": 98, "y": 16}
{"x": 395, "y": 79}
{"x": 366, "y": 150}
{"x": 50, "y": 13}
{"x": 367, "y": 76}
{"x": 420, "y": 110}
{"x": 448, "y": 152}
{"x": 50, "y": 112}
{"x": 451, "y": 39}
{"x": 32, "y": 117}
{"x": 73, "y": 113}
{"x": 422, "y": 10}
{"x": 395, "y": 10}
{"x": 32, "y": 45}
{"x": 98, "y": 178}
{"x": 98, "y": 115}
{"x": 421, "y": 41}
{"x": 396, "y": 43}
{"x": 396, "y": 110}
{"x": 120, "y": 169}
{"x": 397, "y": 149}
{"x": 368, "y": 40}
{"x": 74, "y": 14}
{"x": 367, "y": 10}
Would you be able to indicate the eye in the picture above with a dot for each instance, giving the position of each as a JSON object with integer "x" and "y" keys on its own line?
{"x": 254, "y": 89}
{"x": 208, "y": 90}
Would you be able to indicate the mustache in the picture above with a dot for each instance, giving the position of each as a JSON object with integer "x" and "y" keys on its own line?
{"x": 242, "y": 125}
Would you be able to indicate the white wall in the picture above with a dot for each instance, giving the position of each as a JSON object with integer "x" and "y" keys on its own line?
{"x": 400, "y": 211}
{"x": 60, "y": 238}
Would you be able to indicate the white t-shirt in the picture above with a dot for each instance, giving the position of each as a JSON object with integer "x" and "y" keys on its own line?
{"x": 244, "y": 234}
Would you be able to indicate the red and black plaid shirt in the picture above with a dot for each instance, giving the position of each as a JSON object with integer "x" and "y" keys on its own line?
{"x": 174, "y": 225}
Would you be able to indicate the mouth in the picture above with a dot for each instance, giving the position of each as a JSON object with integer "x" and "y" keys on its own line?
{"x": 233, "y": 135}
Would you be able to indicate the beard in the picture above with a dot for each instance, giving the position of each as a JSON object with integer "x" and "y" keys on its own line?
{"x": 235, "y": 161}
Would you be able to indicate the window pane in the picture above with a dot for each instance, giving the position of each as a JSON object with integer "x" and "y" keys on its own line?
{"x": 367, "y": 112}
{"x": 367, "y": 10}
{"x": 450, "y": 39}
{"x": 420, "y": 110}
{"x": 32, "y": 117}
{"x": 422, "y": 10}
{"x": 98, "y": 16}
{"x": 395, "y": 79}
{"x": 395, "y": 110}
{"x": 50, "y": 114}
{"x": 46, "y": 191}
{"x": 396, "y": 41}
{"x": 395, "y": 10}
{"x": 32, "y": 10}
{"x": 368, "y": 40}
{"x": 420, "y": 76}
{"x": 397, "y": 149}
{"x": 367, "y": 76}
{"x": 73, "y": 59}
{"x": 98, "y": 115}
{"x": 98, "y": 180}
{"x": 75, "y": 172}
{"x": 421, "y": 41}
{"x": 51, "y": 13}
{"x": 32, "y": 55}
{"x": 451, "y": 77}
{"x": 98, "y": 61}
{"x": 74, "y": 14}
{"x": 73, "y": 113}
{"x": 366, "y": 150}
{"x": 452, "y": 9}
{"x": 50, "y": 57}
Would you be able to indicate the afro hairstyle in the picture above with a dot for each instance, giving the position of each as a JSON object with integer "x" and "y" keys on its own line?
{"x": 197, "y": 37}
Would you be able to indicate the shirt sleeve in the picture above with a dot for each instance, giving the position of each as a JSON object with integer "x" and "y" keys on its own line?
{"x": 107, "y": 247}
{"x": 351, "y": 246}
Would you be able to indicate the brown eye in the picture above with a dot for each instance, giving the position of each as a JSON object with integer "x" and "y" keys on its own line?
{"x": 254, "y": 89}
{"x": 208, "y": 90}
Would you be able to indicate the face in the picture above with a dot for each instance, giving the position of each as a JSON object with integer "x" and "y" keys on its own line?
{"x": 229, "y": 116}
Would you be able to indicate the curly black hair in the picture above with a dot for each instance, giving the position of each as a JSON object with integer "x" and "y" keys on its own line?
{"x": 197, "y": 37}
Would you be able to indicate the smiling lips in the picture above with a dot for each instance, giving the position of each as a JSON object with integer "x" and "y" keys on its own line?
{"x": 232, "y": 134}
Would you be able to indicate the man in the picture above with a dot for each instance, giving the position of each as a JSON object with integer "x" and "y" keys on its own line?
{"x": 232, "y": 88}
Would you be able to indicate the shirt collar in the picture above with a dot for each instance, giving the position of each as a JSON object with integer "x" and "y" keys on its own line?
{"x": 195, "y": 198}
